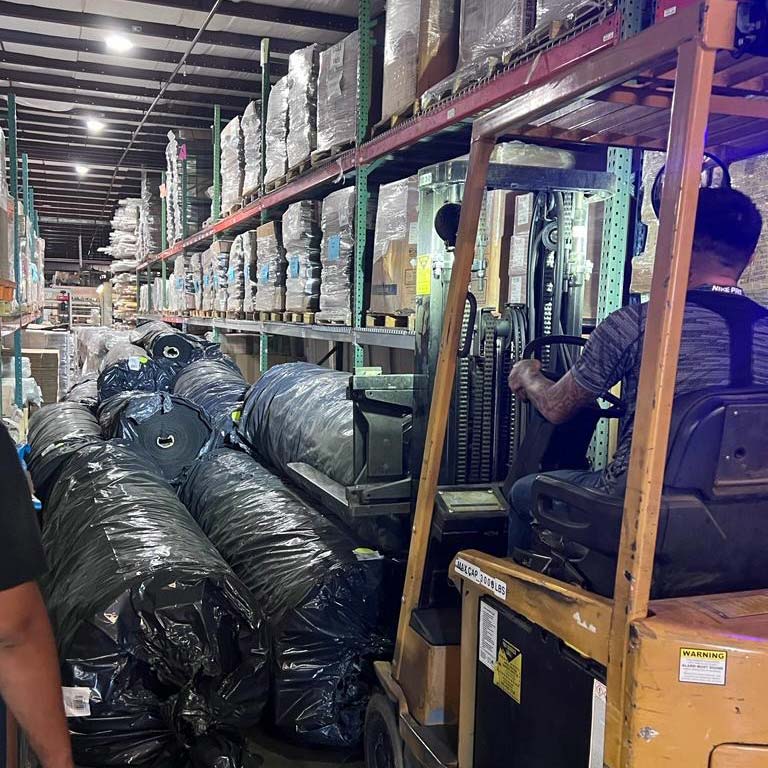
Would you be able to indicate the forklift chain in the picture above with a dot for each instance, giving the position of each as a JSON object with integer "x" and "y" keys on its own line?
{"x": 489, "y": 381}
{"x": 462, "y": 409}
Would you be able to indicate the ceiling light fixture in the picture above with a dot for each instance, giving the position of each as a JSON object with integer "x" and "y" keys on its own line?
{"x": 94, "y": 125}
{"x": 118, "y": 43}
{"x": 81, "y": 170}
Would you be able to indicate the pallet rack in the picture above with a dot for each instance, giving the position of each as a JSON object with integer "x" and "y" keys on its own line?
{"x": 443, "y": 131}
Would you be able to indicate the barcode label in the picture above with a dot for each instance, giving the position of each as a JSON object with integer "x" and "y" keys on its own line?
{"x": 77, "y": 701}
{"x": 489, "y": 632}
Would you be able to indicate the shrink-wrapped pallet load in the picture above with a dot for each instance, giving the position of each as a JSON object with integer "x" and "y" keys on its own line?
{"x": 337, "y": 94}
{"x": 302, "y": 104}
{"x": 270, "y": 268}
{"x": 337, "y": 255}
{"x": 277, "y": 131}
{"x": 301, "y": 240}
{"x": 250, "y": 125}
{"x": 231, "y": 166}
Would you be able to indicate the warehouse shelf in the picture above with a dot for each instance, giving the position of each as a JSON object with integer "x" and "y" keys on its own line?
{"x": 403, "y": 145}
{"x": 12, "y": 323}
{"x": 392, "y": 338}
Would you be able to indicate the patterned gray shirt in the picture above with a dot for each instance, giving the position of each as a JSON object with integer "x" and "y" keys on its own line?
{"x": 614, "y": 350}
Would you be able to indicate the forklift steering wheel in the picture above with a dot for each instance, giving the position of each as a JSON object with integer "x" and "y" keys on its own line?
{"x": 617, "y": 407}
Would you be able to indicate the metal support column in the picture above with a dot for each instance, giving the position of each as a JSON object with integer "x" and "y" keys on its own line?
{"x": 266, "y": 87}
{"x": 364, "y": 70}
{"x": 13, "y": 155}
{"x": 216, "y": 163}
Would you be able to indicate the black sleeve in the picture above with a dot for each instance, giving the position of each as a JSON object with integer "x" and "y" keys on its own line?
{"x": 21, "y": 552}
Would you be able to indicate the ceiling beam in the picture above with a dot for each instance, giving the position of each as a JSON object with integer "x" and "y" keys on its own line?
{"x": 29, "y": 118}
{"x": 83, "y": 154}
{"x": 207, "y": 61}
{"x": 74, "y": 221}
{"x": 101, "y": 140}
{"x": 53, "y": 15}
{"x": 134, "y": 73}
{"x": 94, "y": 159}
{"x": 14, "y": 75}
{"x": 293, "y": 17}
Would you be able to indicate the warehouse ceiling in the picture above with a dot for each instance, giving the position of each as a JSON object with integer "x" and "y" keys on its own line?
{"x": 54, "y": 57}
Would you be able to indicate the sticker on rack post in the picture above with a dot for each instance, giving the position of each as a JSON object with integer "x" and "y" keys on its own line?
{"x": 334, "y": 247}
{"x": 508, "y": 674}
{"x": 423, "y": 275}
{"x": 703, "y": 665}
{"x": 478, "y": 576}
{"x": 77, "y": 701}
{"x": 489, "y": 633}
{"x": 597, "y": 733}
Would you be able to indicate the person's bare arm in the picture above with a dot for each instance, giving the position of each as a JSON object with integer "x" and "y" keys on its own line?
{"x": 30, "y": 683}
{"x": 558, "y": 401}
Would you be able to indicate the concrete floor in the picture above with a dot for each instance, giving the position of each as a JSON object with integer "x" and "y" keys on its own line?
{"x": 277, "y": 754}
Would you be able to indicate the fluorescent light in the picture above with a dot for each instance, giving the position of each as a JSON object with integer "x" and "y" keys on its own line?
{"x": 81, "y": 170}
{"x": 94, "y": 125}
{"x": 118, "y": 43}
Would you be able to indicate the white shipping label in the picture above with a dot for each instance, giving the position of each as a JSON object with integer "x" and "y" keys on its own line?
{"x": 77, "y": 701}
{"x": 413, "y": 232}
{"x": 703, "y": 665}
{"x": 134, "y": 364}
{"x": 523, "y": 210}
{"x": 489, "y": 633}
{"x": 478, "y": 576}
{"x": 597, "y": 735}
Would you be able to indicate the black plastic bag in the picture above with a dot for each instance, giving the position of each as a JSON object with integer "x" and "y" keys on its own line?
{"x": 86, "y": 391}
{"x": 217, "y": 388}
{"x": 171, "y": 431}
{"x": 149, "y": 619}
{"x": 163, "y": 341}
{"x": 322, "y": 595}
{"x": 136, "y": 374}
{"x": 299, "y": 412}
{"x": 122, "y": 351}
{"x": 56, "y": 432}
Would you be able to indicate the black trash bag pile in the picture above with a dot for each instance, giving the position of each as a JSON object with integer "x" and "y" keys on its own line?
{"x": 56, "y": 432}
{"x": 170, "y": 430}
{"x": 86, "y": 391}
{"x": 299, "y": 412}
{"x": 163, "y": 342}
{"x": 149, "y": 619}
{"x": 322, "y": 595}
{"x": 217, "y": 388}
{"x": 122, "y": 351}
{"x": 136, "y": 374}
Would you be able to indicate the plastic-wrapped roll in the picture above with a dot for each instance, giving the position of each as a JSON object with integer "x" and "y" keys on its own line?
{"x": 163, "y": 645}
{"x": 171, "y": 431}
{"x": 319, "y": 591}
{"x": 86, "y": 391}
{"x": 136, "y": 374}
{"x": 164, "y": 342}
{"x": 54, "y": 434}
{"x": 217, "y": 389}
{"x": 299, "y": 412}
{"x": 122, "y": 351}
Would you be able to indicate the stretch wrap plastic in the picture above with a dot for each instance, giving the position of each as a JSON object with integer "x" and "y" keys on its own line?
{"x": 217, "y": 389}
{"x": 337, "y": 254}
{"x": 86, "y": 391}
{"x": 54, "y": 434}
{"x": 231, "y": 165}
{"x": 298, "y": 412}
{"x": 250, "y": 124}
{"x": 301, "y": 241}
{"x": 302, "y": 104}
{"x": 136, "y": 374}
{"x": 166, "y": 641}
{"x": 319, "y": 591}
{"x": 277, "y": 131}
{"x": 270, "y": 267}
{"x": 246, "y": 244}
{"x": 171, "y": 431}
{"x": 337, "y": 94}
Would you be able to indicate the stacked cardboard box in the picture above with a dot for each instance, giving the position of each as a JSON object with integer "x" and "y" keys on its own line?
{"x": 337, "y": 255}
{"x": 231, "y": 165}
{"x": 271, "y": 268}
{"x": 301, "y": 240}
{"x": 45, "y": 370}
{"x": 277, "y": 131}
{"x": 337, "y": 94}
{"x": 61, "y": 341}
{"x": 302, "y": 104}
{"x": 250, "y": 124}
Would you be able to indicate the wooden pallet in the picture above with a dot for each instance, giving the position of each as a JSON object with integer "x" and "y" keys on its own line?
{"x": 273, "y": 316}
{"x": 250, "y": 195}
{"x": 298, "y": 169}
{"x": 271, "y": 186}
{"x": 327, "y": 321}
{"x": 238, "y": 206}
{"x": 384, "y": 125}
{"x": 235, "y": 315}
{"x": 320, "y": 156}
{"x": 308, "y": 318}
{"x": 382, "y": 320}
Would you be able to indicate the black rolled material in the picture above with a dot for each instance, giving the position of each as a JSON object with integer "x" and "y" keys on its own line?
{"x": 86, "y": 391}
{"x": 122, "y": 351}
{"x": 55, "y": 433}
{"x": 299, "y": 412}
{"x": 215, "y": 387}
{"x": 171, "y": 431}
{"x": 136, "y": 374}
{"x": 165, "y": 343}
{"x": 149, "y": 620}
{"x": 321, "y": 594}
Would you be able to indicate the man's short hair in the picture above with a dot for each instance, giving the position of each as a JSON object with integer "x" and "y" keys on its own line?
{"x": 728, "y": 224}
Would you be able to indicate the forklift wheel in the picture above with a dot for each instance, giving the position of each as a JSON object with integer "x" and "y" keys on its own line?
{"x": 383, "y": 745}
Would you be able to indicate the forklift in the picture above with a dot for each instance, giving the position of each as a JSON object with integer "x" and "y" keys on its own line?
{"x": 553, "y": 673}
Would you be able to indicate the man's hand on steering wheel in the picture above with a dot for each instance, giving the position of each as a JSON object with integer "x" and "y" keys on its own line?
{"x": 521, "y": 375}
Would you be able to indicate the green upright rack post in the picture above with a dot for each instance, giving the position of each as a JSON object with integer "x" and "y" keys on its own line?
{"x": 13, "y": 156}
{"x": 364, "y": 74}
{"x": 266, "y": 87}
{"x": 163, "y": 214}
{"x": 216, "y": 162}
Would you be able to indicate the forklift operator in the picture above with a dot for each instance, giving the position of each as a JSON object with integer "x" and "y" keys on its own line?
{"x": 724, "y": 343}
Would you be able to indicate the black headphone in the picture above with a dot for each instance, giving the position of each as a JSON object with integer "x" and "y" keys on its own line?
{"x": 711, "y": 163}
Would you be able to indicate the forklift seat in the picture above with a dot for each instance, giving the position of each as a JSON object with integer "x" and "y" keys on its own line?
{"x": 713, "y": 521}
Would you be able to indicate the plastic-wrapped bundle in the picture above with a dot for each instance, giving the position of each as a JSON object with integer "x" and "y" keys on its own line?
{"x": 393, "y": 286}
{"x": 86, "y": 391}
{"x": 235, "y": 277}
{"x": 302, "y": 104}
{"x": 248, "y": 249}
{"x": 401, "y": 56}
{"x": 149, "y": 220}
{"x": 175, "y": 214}
{"x": 337, "y": 254}
{"x": 337, "y": 94}
{"x": 324, "y": 619}
{"x": 136, "y": 374}
{"x": 171, "y": 431}
{"x": 299, "y": 412}
{"x": 165, "y": 640}
{"x": 55, "y": 433}
{"x": 642, "y": 263}
{"x": 220, "y": 261}
{"x": 93, "y": 344}
{"x": 301, "y": 241}
{"x": 251, "y": 127}
{"x": 123, "y": 351}
{"x": 231, "y": 165}
{"x": 277, "y": 131}
{"x": 270, "y": 268}
{"x": 216, "y": 388}
{"x": 164, "y": 342}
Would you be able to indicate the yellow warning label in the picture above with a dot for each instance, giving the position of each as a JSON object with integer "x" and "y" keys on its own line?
{"x": 705, "y": 666}
{"x": 703, "y": 653}
{"x": 508, "y": 673}
{"x": 423, "y": 275}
